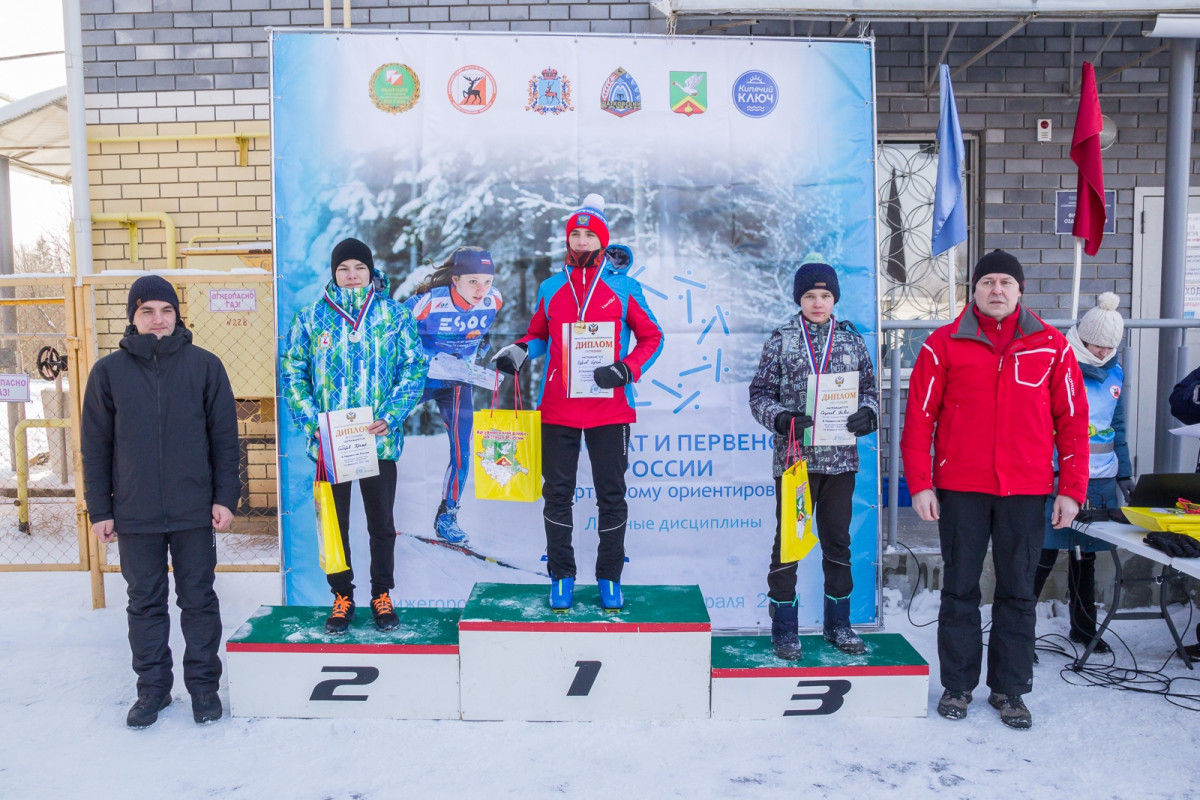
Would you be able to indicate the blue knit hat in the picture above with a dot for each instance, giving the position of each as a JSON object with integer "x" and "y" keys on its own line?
{"x": 472, "y": 261}
{"x": 815, "y": 275}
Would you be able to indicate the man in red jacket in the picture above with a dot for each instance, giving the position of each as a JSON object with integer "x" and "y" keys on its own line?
{"x": 996, "y": 393}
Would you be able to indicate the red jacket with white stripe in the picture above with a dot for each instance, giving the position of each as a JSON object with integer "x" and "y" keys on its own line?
{"x": 994, "y": 418}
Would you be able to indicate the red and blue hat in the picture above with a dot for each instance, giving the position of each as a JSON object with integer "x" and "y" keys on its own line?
{"x": 591, "y": 216}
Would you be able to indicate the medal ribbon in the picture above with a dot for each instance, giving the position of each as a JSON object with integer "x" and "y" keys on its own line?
{"x": 354, "y": 322}
{"x": 811, "y": 350}
{"x": 582, "y": 309}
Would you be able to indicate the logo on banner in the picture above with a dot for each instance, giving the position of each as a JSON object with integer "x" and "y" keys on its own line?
{"x": 472, "y": 89}
{"x": 755, "y": 93}
{"x": 620, "y": 95}
{"x": 549, "y": 93}
{"x": 395, "y": 88}
{"x": 689, "y": 92}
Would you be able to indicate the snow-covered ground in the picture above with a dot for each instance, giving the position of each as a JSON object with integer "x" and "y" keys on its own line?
{"x": 65, "y": 685}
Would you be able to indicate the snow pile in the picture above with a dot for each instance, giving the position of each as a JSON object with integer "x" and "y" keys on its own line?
{"x": 67, "y": 685}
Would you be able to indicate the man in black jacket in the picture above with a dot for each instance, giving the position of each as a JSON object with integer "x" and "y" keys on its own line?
{"x": 160, "y": 468}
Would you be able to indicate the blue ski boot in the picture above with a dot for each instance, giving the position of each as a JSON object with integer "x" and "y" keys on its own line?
{"x": 837, "y": 630}
{"x": 611, "y": 598}
{"x": 562, "y": 593}
{"x": 446, "y": 524}
{"x": 785, "y": 630}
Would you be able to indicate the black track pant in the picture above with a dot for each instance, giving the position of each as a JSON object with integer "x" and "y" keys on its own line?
{"x": 144, "y": 566}
{"x": 379, "y": 496}
{"x": 608, "y": 450}
{"x": 1015, "y": 525}
{"x": 833, "y": 503}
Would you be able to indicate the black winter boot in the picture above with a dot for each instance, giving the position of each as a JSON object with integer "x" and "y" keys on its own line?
{"x": 1082, "y": 586}
{"x": 785, "y": 630}
{"x": 837, "y": 627}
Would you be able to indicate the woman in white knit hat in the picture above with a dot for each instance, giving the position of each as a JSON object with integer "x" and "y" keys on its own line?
{"x": 1095, "y": 340}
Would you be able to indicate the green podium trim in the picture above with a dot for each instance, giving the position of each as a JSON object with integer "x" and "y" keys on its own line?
{"x": 525, "y": 607}
{"x": 301, "y": 629}
{"x": 753, "y": 657}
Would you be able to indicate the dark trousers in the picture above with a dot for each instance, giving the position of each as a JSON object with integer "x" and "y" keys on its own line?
{"x": 833, "y": 503}
{"x": 608, "y": 450}
{"x": 144, "y": 566}
{"x": 379, "y": 496}
{"x": 1081, "y": 588}
{"x": 1015, "y": 527}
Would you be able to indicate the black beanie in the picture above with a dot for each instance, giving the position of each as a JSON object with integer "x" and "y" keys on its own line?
{"x": 347, "y": 249}
{"x": 1002, "y": 263}
{"x": 150, "y": 287}
{"x": 815, "y": 276}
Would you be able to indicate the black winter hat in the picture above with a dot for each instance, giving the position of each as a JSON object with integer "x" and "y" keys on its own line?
{"x": 347, "y": 249}
{"x": 999, "y": 262}
{"x": 815, "y": 275}
{"x": 150, "y": 287}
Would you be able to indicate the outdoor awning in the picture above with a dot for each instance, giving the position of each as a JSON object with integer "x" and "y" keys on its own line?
{"x": 33, "y": 135}
{"x": 927, "y": 10}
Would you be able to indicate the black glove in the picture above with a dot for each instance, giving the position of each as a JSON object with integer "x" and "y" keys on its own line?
{"x": 1126, "y": 487}
{"x": 783, "y": 422}
{"x": 862, "y": 422}
{"x": 613, "y": 376}
{"x": 1176, "y": 545}
{"x": 509, "y": 359}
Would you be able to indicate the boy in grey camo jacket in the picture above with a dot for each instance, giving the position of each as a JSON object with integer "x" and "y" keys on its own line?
{"x": 813, "y": 341}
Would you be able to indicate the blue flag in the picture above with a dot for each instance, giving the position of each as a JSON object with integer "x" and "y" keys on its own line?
{"x": 949, "y": 205}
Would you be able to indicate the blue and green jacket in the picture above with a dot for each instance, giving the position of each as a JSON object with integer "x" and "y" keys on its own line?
{"x": 324, "y": 369}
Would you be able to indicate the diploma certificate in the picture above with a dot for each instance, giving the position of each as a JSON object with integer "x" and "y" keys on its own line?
{"x": 586, "y": 346}
{"x": 349, "y": 451}
{"x": 830, "y": 402}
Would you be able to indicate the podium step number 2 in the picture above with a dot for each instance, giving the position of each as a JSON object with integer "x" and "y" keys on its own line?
{"x": 283, "y": 664}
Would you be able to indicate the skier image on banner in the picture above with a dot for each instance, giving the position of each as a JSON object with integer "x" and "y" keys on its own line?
{"x": 356, "y": 347}
{"x": 582, "y": 323}
{"x": 454, "y": 307}
{"x": 803, "y": 359}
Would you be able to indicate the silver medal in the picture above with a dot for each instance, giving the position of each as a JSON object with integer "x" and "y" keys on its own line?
{"x": 356, "y": 336}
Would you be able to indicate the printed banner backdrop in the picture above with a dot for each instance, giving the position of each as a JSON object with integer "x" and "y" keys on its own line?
{"x": 723, "y": 163}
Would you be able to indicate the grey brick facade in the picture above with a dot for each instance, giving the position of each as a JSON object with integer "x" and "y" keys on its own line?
{"x": 208, "y": 60}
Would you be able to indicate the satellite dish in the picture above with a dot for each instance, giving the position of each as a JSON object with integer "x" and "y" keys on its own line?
{"x": 1108, "y": 132}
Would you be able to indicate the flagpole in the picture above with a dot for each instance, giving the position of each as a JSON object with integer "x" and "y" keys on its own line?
{"x": 951, "y": 270}
{"x": 1075, "y": 278}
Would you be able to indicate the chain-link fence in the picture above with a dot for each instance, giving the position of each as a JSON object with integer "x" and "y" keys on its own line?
{"x": 231, "y": 316}
{"x": 39, "y": 525}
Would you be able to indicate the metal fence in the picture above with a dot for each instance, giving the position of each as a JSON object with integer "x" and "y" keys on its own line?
{"x": 40, "y": 523}
{"x": 231, "y": 315}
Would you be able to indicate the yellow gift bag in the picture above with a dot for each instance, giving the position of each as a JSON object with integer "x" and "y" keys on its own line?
{"x": 507, "y": 453}
{"x": 330, "y": 553}
{"x": 795, "y": 498}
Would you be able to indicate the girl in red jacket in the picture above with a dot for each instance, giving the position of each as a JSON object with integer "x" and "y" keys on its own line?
{"x": 590, "y": 305}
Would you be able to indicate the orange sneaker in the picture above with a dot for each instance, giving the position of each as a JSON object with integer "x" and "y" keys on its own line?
{"x": 342, "y": 615}
{"x": 384, "y": 612}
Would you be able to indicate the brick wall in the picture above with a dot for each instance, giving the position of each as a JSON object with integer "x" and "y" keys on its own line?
{"x": 195, "y": 66}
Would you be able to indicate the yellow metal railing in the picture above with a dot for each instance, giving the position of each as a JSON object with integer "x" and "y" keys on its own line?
{"x": 130, "y": 220}
{"x": 23, "y": 465}
{"x": 242, "y": 138}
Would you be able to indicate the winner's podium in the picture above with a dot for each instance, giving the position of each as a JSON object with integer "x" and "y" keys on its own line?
{"x": 521, "y": 661}
{"x": 283, "y": 664}
{"x": 749, "y": 682}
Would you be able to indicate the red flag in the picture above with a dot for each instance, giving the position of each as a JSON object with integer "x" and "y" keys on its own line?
{"x": 1085, "y": 152}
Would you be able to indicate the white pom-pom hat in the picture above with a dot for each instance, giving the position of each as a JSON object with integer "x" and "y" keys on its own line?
{"x": 1103, "y": 325}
